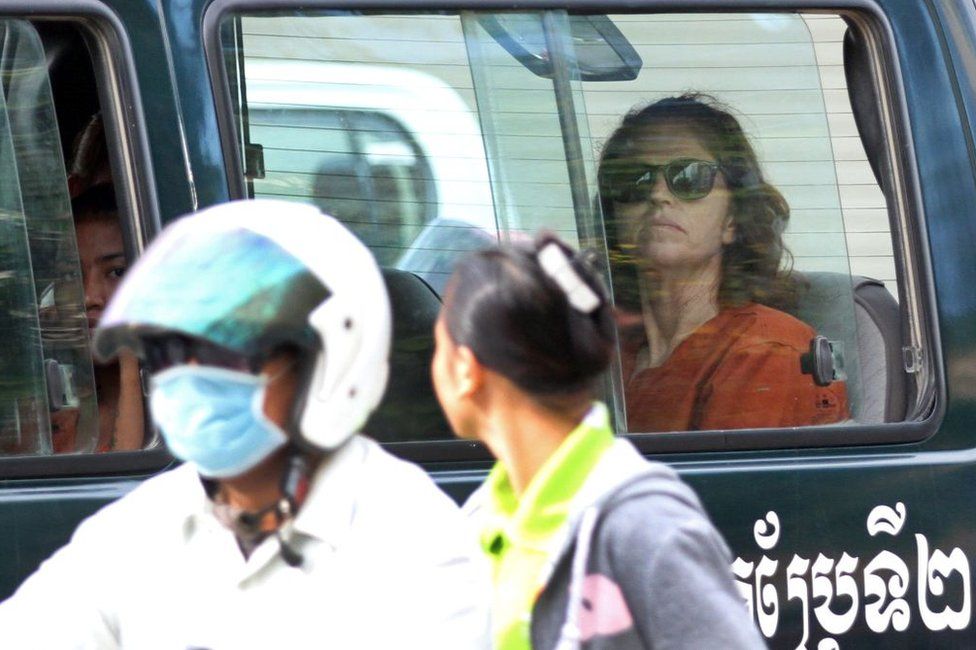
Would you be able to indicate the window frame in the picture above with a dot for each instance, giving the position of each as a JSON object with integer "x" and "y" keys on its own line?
{"x": 135, "y": 188}
{"x": 906, "y": 215}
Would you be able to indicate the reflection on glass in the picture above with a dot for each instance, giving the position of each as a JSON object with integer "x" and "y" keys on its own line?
{"x": 48, "y": 380}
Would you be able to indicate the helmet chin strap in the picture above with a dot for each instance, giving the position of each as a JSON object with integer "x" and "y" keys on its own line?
{"x": 294, "y": 490}
{"x": 301, "y": 458}
{"x": 251, "y": 528}
{"x": 301, "y": 461}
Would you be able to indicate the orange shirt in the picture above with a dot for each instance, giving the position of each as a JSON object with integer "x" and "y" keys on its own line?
{"x": 740, "y": 370}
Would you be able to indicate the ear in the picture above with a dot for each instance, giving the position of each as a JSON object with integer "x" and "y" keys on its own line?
{"x": 728, "y": 230}
{"x": 470, "y": 374}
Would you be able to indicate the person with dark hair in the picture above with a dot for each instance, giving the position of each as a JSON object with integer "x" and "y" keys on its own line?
{"x": 118, "y": 386}
{"x": 695, "y": 236}
{"x": 589, "y": 542}
{"x": 89, "y": 162}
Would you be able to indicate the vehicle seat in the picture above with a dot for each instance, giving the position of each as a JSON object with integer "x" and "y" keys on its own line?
{"x": 871, "y": 342}
{"x": 409, "y": 410}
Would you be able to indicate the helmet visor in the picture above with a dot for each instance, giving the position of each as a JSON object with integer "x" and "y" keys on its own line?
{"x": 236, "y": 289}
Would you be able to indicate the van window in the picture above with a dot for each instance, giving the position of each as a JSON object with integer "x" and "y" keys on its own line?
{"x": 511, "y": 123}
{"x": 63, "y": 250}
{"x": 359, "y": 164}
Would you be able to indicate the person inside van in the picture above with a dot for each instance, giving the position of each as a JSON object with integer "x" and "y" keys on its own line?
{"x": 696, "y": 243}
{"x": 284, "y": 528}
{"x": 589, "y": 542}
{"x": 118, "y": 387}
{"x": 101, "y": 254}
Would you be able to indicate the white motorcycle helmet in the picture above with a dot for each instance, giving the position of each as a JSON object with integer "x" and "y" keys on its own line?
{"x": 252, "y": 276}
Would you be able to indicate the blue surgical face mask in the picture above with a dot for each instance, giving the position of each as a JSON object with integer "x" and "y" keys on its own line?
{"x": 214, "y": 418}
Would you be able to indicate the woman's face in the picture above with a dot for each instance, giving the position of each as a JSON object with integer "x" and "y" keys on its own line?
{"x": 103, "y": 264}
{"x": 670, "y": 233}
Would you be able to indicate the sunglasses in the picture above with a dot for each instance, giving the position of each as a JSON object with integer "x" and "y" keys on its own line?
{"x": 688, "y": 179}
{"x": 168, "y": 351}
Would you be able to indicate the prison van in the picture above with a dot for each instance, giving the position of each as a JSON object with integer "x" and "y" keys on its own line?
{"x": 433, "y": 129}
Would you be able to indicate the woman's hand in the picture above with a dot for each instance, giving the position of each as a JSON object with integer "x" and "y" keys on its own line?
{"x": 64, "y": 430}
{"x": 129, "y": 421}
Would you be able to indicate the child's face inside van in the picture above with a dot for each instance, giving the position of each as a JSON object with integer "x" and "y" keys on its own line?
{"x": 103, "y": 263}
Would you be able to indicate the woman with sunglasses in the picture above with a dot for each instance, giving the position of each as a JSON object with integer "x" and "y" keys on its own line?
{"x": 696, "y": 246}
{"x": 591, "y": 545}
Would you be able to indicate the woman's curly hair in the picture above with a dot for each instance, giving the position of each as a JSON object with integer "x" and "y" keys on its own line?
{"x": 756, "y": 266}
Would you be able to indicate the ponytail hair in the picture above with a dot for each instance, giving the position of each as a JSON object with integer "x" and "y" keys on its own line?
{"x": 516, "y": 314}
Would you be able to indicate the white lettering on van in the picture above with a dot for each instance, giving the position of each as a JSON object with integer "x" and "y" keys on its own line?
{"x": 833, "y": 592}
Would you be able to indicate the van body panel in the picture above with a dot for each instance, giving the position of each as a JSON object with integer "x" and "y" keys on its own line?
{"x": 39, "y": 514}
{"x": 182, "y": 22}
{"x": 812, "y": 530}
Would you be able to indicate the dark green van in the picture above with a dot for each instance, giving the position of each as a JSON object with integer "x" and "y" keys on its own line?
{"x": 435, "y": 128}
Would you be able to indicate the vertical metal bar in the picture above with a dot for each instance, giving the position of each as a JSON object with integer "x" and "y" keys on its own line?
{"x": 241, "y": 88}
{"x": 504, "y": 203}
{"x": 563, "y": 60}
{"x": 590, "y": 232}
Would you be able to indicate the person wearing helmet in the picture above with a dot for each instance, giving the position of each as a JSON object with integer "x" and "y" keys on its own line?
{"x": 266, "y": 328}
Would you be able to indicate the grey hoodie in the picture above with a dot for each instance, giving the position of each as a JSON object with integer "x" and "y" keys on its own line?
{"x": 643, "y": 563}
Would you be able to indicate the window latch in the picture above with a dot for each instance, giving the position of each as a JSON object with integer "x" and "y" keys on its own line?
{"x": 824, "y": 361}
{"x": 912, "y": 357}
{"x": 253, "y": 161}
{"x": 60, "y": 379}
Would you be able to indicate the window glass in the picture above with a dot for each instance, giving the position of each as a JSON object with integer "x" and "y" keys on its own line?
{"x": 493, "y": 126}
{"x": 50, "y": 387}
{"x": 399, "y": 183}
{"x": 59, "y": 266}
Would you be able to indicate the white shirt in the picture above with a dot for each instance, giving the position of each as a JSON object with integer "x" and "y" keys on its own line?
{"x": 388, "y": 563}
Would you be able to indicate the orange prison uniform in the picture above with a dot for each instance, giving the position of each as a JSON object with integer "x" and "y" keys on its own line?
{"x": 740, "y": 370}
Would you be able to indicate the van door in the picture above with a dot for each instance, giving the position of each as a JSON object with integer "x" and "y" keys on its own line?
{"x": 837, "y": 539}
{"x": 77, "y": 203}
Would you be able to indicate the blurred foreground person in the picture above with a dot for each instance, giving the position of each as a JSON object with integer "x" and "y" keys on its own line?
{"x": 591, "y": 545}
{"x": 266, "y": 329}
